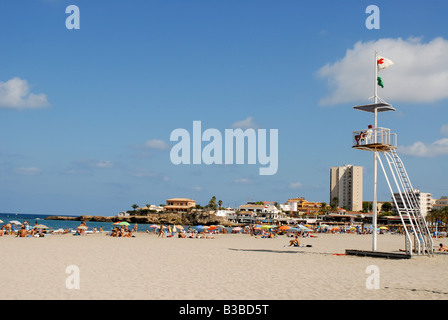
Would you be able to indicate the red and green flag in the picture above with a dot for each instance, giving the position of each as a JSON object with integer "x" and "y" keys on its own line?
{"x": 382, "y": 63}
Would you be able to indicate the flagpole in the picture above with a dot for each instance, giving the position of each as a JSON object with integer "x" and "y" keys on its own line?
{"x": 375, "y": 154}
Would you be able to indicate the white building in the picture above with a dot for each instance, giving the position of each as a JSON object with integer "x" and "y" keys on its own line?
{"x": 227, "y": 213}
{"x": 425, "y": 200}
{"x": 440, "y": 203}
{"x": 290, "y": 206}
{"x": 346, "y": 186}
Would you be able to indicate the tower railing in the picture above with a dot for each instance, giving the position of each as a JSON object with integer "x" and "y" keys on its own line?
{"x": 375, "y": 138}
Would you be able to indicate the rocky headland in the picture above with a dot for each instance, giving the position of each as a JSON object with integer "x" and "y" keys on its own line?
{"x": 191, "y": 218}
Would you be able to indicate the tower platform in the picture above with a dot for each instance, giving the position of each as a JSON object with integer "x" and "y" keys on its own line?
{"x": 374, "y": 139}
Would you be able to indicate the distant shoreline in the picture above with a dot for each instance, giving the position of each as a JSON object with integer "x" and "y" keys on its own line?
{"x": 203, "y": 218}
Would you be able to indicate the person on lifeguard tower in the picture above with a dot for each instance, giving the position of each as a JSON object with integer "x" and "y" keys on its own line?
{"x": 364, "y": 135}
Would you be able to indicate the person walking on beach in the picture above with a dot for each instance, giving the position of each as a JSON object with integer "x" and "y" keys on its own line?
{"x": 160, "y": 231}
{"x": 135, "y": 227}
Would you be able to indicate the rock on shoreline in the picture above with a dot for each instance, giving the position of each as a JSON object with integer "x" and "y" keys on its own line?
{"x": 192, "y": 218}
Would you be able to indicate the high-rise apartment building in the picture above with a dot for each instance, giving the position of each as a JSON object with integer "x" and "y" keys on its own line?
{"x": 440, "y": 203}
{"x": 424, "y": 199}
{"x": 346, "y": 186}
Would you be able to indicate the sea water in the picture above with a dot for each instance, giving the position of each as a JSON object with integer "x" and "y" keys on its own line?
{"x": 63, "y": 224}
{"x": 68, "y": 224}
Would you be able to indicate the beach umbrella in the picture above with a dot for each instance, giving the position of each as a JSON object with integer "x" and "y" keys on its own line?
{"x": 303, "y": 228}
{"x": 1, "y": 221}
{"x": 154, "y": 226}
{"x": 267, "y": 226}
{"x": 40, "y": 226}
{"x": 121, "y": 223}
{"x": 284, "y": 228}
{"x": 212, "y": 228}
{"x": 180, "y": 227}
{"x": 236, "y": 229}
{"x": 384, "y": 228}
{"x": 15, "y": 222}
{"x": 83, "y": 227}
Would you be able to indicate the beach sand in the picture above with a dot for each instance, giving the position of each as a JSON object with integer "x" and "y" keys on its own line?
{"x": 229, "y": 267}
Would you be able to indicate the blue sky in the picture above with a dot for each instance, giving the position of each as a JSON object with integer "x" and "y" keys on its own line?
{"x": 86, "y": 115}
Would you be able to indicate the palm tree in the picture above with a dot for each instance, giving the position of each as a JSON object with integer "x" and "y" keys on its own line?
{"x": 334, "y": 203}
{"x": 135, "y": 206}
{"x": 323, "y": 207}
{"x": 220, "y": 203}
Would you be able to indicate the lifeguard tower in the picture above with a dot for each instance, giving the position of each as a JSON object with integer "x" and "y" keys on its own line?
{"x": 383, "y": 143}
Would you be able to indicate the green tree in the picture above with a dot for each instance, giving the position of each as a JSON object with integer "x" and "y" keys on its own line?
{"x": 334, "y": 203}
{"x": 386, "y": 207}
{"x": 212, "y": 203}
{"x": 323, "y": 207}
{"x": 220, "y": 203}
{"x": 135, "y": 206}
{"x": 366, "y": 206}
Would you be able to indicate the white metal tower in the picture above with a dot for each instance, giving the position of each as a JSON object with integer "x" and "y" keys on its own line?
{"x": 382, "y": 142}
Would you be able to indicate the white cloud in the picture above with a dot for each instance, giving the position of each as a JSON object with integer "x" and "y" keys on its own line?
{"x": 148, "y": 174}
{"x": 30, "y": 171}
{"x": 248, "y": 123}
{"x": 243, "y": 181}
{"x": 444, "y": 129}
{"x": 103, "y": 164}
{"x": 295, "y": 185}
{"x": 156, "y": 144}
{"x": 197, "y": 188}
{"x": 419, "y": 73}
{"x": 87, "y": 166}
{"x": 15, "y": 93}
{"x": 420, "y": 149}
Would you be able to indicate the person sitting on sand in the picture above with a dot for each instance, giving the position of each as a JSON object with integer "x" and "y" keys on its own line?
{"x": 22, "y": 232}
{"x": 443, "y": 248}
{"x": 294, "y": 242}
{"x": 127, "y": 233}
{"x": 181, "y": 235}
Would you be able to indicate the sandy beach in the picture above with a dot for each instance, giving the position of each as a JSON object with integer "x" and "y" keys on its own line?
{"x": 229, "y": 267}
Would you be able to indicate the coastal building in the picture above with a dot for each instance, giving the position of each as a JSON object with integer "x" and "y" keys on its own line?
{"x": 440, "y": 203}
{"x": 123, "y": 214}
{"x": 290, "y": 206}
{"x": 179, "y": 205}
{"x": 301, "y": 206}
{"x": 424, "y": 199}
{"x": 151, "y": 207}
{"x": 227, "y": 213}
{"x": 346, "y": 187}
{"x": 255, "y": 213}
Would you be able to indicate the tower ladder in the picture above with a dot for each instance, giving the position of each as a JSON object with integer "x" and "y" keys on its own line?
{"x": 410, "y": 206}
